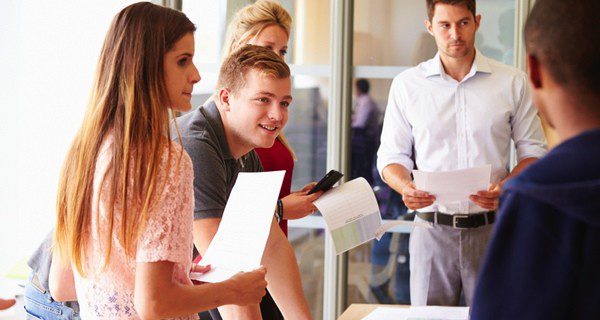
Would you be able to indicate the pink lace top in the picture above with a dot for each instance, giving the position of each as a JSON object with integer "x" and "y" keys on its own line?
{"x": 108, "y": 293}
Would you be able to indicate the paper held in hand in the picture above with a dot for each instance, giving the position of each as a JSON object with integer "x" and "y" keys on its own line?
{"x": 352, "y": 215}
{"x": 453, "y": 186}
{"x": 242, "y": 235}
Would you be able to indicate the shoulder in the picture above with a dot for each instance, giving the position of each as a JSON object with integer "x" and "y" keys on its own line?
{"x": 176, "y": 161}
{"x": 417, "y": 72}
{"x": 506, "y": 72}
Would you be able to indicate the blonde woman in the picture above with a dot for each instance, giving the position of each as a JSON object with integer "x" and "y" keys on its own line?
{"x": 125, "y": 201}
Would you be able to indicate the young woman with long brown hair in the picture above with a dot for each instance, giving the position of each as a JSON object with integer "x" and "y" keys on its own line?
{"x": 125, "y": 201}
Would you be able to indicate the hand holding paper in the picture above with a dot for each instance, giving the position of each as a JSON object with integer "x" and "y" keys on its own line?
{"x": 352, "y": 215}
{"x": 453, "y": 186}
{"x": 242, "y": 235}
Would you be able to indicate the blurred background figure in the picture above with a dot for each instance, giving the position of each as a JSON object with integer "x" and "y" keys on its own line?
{"x": 365, "y": 132}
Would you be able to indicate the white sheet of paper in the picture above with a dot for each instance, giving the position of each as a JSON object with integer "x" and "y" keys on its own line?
{"x": 387, "y": 313}
{"x": 388, "y": 225}
{"x": 438, "y": 313}
{"x": 240, "y": 240}
{"x": 352, "y": 214}
{"x": 453, "y": 186}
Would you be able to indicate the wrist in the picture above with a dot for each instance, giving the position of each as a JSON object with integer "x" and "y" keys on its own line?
{"x": 228, "y": 293}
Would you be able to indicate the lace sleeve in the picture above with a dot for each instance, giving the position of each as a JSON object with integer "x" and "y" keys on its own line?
{"x": 168, "y": 232}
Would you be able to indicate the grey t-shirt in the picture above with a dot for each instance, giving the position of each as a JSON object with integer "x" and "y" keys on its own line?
{"x": 215, "y": 169}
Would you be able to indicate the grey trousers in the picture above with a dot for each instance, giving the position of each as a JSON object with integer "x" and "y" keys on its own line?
{"x": 445, "y": 261}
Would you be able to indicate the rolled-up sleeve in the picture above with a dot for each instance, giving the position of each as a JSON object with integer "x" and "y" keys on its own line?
{"x": 527, "y": 132}
{"x": 396, "y": 135}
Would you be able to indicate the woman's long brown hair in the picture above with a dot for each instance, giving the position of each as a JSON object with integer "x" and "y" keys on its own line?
{"x": 129, "y": 101}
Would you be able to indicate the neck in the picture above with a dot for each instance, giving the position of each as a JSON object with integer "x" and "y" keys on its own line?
{"x": 572, "y": 114}
{"x": 458, "y": 68}
{"x": 236, "y": 146}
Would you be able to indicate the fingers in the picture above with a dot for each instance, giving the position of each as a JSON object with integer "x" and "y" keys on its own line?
{"x": 487, "y": 199}
{"x": 200, "y": 269}
{"x": 414, "y": 205}
{"x": 262, "y": 269}
{"x": 309, "y": 186}
{"x": 312, "y": 197}
{"x": 410, "y": 191}
{"x": 5, "y": 304}
{"x": 485, "y": 202}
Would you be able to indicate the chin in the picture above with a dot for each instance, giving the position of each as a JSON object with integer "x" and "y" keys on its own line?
{"x": 266, "y": 144}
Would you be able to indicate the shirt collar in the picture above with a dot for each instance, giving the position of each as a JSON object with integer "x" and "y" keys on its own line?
{"x": 434, "y": 66}
{"x": 213, "y": 117}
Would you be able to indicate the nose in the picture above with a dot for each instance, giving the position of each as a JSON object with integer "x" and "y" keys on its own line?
{"x": 454, "y": 33}
{"x": 195, "y": 78}
{"x": 275, "y": 112}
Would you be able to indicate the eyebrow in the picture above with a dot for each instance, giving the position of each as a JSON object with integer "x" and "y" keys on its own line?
{"x": 459, "y": 20}
{"x": 266, "y": 93}
{"x": 272, "y": 43}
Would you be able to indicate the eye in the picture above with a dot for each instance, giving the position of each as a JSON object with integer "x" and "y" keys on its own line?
{"x": 445, "y": 26}
{"x": 182, "y": 62}
{"x": 263, "y": 100}
{"x": 464, "y": 23}
{"x": 285, "y": 104}
{"x": 283, "y": 52}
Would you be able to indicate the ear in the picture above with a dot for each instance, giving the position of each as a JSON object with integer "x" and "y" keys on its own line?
{"x": 477, "y": 22}
{"x": 428, "y": 26}
{"x": 224, "y": 96}
{"x": 535, "y": 72}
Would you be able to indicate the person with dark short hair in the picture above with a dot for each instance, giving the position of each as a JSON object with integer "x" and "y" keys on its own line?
{"x": 458, "y": 110}
{"x": 544, "y": 258}
{"x": 365, "y": 132}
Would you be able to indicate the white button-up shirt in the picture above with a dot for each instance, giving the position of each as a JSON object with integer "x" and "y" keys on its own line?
{"x": 457, "y": 125}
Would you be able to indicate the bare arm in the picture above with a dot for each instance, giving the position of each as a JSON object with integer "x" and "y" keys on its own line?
{"x": 61, "y": 281}
{"x": 204, "y": 232}
{"x": 283, "y": 277}
{"x": 522, "y": 165}
{"x": 489, "y": 199}
{"x": 158, "y": 297}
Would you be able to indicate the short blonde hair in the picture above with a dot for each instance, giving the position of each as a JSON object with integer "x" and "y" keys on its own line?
{"x": 249, "y": 21}
{"x": 250, "y": 57}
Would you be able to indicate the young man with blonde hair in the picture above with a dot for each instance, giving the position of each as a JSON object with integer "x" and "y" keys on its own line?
{"x": 250, "y": 110}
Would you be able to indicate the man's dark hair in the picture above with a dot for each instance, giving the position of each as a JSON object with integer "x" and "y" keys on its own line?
{"x": 362, "y": 85}
{"x": 563, "y": 36}
{"x": 431, "y": 6}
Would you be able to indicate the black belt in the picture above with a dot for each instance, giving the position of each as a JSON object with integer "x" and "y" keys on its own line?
{"x": 459, "y": 221}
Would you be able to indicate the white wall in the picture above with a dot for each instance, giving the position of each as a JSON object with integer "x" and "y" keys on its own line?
{"x": 49, "y": 51}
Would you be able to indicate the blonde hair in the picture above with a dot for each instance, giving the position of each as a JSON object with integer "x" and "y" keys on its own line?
{"x": 248, "y": 23}
{"x": 129, "y": 101}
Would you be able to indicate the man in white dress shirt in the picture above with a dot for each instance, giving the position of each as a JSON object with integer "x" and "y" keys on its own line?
{"x": 458, "y": 110}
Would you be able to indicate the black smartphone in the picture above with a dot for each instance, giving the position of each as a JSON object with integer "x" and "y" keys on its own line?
{"x": 327, "y": 182}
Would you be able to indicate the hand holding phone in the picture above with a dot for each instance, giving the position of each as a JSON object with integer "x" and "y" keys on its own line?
{"x": 327, "y": 182}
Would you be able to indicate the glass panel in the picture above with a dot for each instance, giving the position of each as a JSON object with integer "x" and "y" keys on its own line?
{"x": 378, "y": 271}
{"x": 307, "y": 132}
